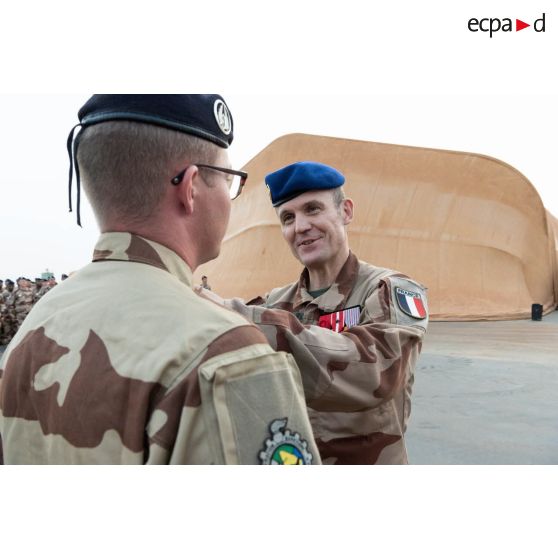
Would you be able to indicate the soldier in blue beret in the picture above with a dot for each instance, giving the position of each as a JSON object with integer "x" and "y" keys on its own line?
{"x": 125, "y": 363}
{"x": 355, "y": 329}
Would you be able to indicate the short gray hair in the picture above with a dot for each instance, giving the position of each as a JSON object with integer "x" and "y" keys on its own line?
{"x": 125, "y": 166}
{"x": 338, "y": 196}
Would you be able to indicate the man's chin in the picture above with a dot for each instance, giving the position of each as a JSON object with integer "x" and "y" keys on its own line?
{"x": 309, "y": 260}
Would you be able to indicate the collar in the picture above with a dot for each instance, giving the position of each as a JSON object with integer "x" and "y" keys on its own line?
{"x": 127, "y": 247}
{"x": 337, "y": 295}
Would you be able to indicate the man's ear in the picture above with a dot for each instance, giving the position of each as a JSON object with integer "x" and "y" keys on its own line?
{"x": 185, "y": 189}
{"x": 348, "y": 210}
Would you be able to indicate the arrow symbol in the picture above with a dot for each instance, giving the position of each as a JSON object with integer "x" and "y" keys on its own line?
{"x": 519, "y": 25}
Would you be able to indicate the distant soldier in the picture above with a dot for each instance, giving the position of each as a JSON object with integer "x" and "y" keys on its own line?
{"x": 2, "y": 306}
{"x": 96, "y": 375}
{"x": 46, "y": 286}
{"x": 204, "y": 283}
{"x": 8, "y": 290}
{"x": 23, "y": 300}
{"x": 8, "y": 314}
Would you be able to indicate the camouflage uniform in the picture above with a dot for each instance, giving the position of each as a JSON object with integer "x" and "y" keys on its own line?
{"x": 97, "y": 376}
{"x": 2, "y": 312}
{"x": 23, "y": 302}
{"x": 8, "y": 317}
{"x": 357, "y": 381}
{"x": 42, "y": 292}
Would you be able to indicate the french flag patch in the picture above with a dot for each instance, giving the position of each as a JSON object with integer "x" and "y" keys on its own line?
{"x": 410, "y": 303}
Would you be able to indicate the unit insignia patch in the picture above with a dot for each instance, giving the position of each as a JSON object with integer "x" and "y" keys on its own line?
{"x": 284, "y": 447}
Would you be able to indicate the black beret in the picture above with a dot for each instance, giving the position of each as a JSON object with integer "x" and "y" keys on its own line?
{"x": 293, "y": 180}
{"x": 205, "y": 116}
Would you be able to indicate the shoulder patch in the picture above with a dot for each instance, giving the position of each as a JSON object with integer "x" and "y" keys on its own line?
{"x": 411, "y": 303}
{"x": 284, "y": 447}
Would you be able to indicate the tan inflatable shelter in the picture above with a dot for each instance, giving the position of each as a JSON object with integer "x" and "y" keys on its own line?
{"x": 469, "y": 227}
{"x": 553, "y": 225}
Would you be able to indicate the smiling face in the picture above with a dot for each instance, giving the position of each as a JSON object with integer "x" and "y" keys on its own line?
{"x": 314, "y": 227}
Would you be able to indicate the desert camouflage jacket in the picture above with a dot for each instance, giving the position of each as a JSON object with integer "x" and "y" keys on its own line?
{"x": 96, "y": 375}
{"x": 9, "y": 299}
{"x": 23, "y": 300}
{"x": 356, "y": 346}
{"x": 7, "y": 314}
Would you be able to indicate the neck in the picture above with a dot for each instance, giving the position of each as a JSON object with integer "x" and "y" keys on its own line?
{"x": 172, "y": 238}
{"x": 324, "y": 274}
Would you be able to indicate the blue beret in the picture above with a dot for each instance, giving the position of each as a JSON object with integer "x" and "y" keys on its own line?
{"x": 205, "y": 116}
{"x": 293, "y": 180}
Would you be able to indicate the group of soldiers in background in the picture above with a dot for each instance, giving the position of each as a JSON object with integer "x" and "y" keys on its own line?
{"x": 17, "y": 301}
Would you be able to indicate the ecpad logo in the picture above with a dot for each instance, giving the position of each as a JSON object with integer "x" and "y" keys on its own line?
{"x": 493, "y": 25}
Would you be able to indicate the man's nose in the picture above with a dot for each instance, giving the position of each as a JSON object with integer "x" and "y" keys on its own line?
{"x": 302, "y": 224}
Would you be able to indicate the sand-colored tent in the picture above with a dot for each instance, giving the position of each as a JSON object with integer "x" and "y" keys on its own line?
{"x": 553, "y": 226}
{"x": 471, "y": 228}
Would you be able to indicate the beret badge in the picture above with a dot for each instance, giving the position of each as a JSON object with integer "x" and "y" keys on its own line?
{"x": 223, "y": 116}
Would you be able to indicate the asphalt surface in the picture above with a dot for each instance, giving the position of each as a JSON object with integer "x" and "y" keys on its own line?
{"x": 486, "y": 393}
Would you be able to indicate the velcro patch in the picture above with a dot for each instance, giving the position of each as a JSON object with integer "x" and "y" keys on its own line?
{"x": 341, "y": 320}
{"x": 411, "y": 303}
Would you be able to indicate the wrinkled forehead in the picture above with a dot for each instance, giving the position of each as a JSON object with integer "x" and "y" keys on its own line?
{"x": 324, "y": 197}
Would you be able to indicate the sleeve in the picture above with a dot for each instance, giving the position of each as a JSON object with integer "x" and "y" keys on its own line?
{"x": 243, "y": 403}
{"x": 361, "y": 367}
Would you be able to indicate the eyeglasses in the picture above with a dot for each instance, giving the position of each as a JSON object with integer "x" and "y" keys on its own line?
{"x": 236, "y": 179}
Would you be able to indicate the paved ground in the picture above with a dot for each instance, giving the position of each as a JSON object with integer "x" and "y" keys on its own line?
{"x": 487, "y": 393}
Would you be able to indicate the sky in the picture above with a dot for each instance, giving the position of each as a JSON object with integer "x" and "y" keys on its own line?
{"x": 34, "y": 173}
{"x": 402, "y": 72}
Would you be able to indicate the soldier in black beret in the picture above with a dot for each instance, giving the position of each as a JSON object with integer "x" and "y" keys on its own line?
{"x": 125, "y": 363}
